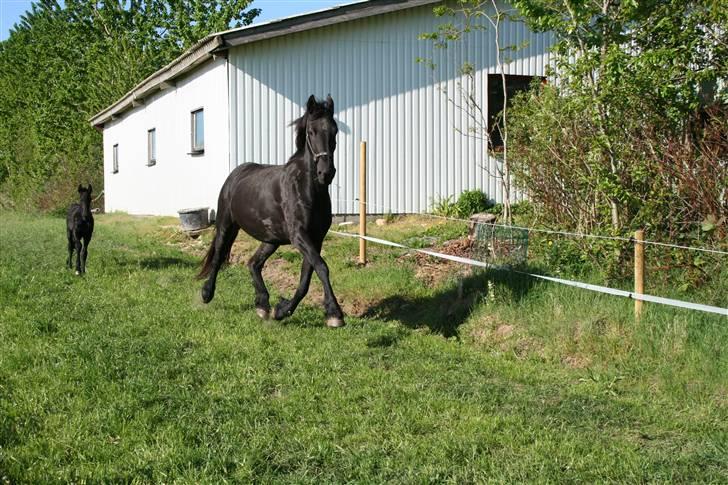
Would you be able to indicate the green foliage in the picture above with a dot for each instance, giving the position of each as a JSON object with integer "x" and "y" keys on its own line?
{"x": 627, "y": 138}
{"x": 471, "y": 202}
{"x": 523, "y": 208}
{"x": 64, "y": 63}
{"x": 468, "y": 203}
{"x": 446, "y": 231}
{"x": 445, "y": 207}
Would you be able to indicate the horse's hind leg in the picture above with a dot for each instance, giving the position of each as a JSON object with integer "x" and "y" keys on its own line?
{"x": 255, "y": 265}
{"x": 225, "y": 236}
{"x": 69, "y": 261}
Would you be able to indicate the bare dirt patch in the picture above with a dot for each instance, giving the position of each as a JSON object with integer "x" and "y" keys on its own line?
{"x": 576, "y": 361}
{"x": 504, "y": 331}
{"x": 434, "y": 271}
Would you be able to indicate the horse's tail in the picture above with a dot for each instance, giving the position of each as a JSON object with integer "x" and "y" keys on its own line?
{"x": 219, "y": 241}
{"x": 206, "y": 268}
{"x": 222, "y": 227}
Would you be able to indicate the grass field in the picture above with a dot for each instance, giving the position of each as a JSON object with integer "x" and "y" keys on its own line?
{"x": 123, "y": 375}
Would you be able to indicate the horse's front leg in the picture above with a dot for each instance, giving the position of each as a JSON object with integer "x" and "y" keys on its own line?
{"x": 86, "y": 241}
{"x": 77, "y": 244}
{"x": 285, "y": 307}
{"x": 334, "y": 315}
{"x": 255, "y": 265}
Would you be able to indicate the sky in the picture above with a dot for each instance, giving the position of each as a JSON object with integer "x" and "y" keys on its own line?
{"x": 11, "y": 10}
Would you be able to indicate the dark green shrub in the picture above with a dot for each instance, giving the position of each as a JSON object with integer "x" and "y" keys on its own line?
{"x": 471, "y": 202}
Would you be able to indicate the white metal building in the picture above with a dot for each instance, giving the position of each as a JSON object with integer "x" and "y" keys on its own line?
{"x": 172, "y": 140}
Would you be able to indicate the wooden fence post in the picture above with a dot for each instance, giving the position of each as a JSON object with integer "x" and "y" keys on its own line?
{"x": 639, "y": 270}
{"x": 363, "y": 203}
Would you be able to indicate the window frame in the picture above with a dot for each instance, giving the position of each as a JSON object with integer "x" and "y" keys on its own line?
{"x": 515, "y": 83}
{"x": 151, "y": 147}
{"x": 115, "y": 158}
{"x": 197, "y": 149}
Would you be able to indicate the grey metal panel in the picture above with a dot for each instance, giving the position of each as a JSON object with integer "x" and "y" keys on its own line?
{"x": 418, "y": 142}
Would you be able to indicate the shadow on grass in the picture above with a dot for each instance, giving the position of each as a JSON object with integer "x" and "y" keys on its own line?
{"x": 155, "y": 263}
{"x": 165, "y": 262}
{"x": 447, "y": 309}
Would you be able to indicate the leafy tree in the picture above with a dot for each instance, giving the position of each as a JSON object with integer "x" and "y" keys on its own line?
{"x": 468, "y": 16}
{"x": 629, "y": 66}
{"x": 64, "y": 63}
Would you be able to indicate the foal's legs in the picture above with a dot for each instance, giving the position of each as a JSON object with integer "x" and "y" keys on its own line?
{"x": 77, "y": 243}
{"x": 86, "y": 241}
{"x": 69, "y": 261}
{"x": 310, "y": 251}
{"x": 255, "y": 265}
{"x": 225, "y": 236}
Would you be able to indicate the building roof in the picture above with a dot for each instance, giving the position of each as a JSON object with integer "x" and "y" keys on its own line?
{"x": 216, "y": 43}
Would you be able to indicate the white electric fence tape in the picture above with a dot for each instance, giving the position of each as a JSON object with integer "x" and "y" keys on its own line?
{"x": 578, "y": 284}
{"x": 548, "y": 231}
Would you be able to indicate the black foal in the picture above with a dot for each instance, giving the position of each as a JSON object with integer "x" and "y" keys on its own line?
{"x": 79, "y": 227}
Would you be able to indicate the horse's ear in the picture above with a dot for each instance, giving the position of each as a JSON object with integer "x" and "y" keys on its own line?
{"x": 311, "y": 104}
{"x": 80, "y": 188}
{"x": 330, "y": 103}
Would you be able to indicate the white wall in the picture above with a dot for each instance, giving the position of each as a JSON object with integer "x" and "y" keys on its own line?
{"x": 382, "y": 95}
{"x": 178, "y": 180}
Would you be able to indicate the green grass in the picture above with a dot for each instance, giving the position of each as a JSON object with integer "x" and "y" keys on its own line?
{"x": 123, "y": 375}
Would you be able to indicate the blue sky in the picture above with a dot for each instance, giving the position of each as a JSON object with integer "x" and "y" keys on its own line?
{"x": 11, "y": 10}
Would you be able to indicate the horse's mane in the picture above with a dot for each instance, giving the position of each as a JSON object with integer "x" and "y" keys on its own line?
{"x": 320, "y": 110}
{"x": 300, "y": 129}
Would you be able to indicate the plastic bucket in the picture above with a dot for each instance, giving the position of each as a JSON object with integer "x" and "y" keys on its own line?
{"x": 194, "y": 219}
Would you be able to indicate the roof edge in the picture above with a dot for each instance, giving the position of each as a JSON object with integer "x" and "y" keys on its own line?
{"x": 320, "y": 18}
{"x": 214, "y": 43}
{"x": 159, "y": 80}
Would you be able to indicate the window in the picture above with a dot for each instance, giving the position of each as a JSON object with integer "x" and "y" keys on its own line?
{"x": 151, "y": 147}
{"x": 514, "y": 85}
{"x": 198, "y": 131}
{"x": 115, "y": 166}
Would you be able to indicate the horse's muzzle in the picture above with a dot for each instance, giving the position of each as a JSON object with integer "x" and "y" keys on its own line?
{"x": 325, "y": 178}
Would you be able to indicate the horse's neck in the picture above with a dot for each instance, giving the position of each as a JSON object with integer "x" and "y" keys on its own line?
{"x": 312, "y": 188}
{"x": 85, "y": 211}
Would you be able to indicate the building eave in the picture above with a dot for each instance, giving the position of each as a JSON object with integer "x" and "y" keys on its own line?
{"x": 162, "y": 79}
{"x": 213, "y": 44}
{"x": 318, "y": 19}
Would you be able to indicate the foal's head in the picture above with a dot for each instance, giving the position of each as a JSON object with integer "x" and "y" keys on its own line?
{"x": 316, "y": 136}
{"x": 85, "y": 199}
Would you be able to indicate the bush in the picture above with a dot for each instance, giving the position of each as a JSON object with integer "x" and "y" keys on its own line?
{"x": 444, "y": 207}
{"x": 670, "y": 180}
{"x": 471, "y": 202}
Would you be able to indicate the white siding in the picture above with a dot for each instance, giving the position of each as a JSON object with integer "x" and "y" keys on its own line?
{"x": 178, "y": 180}
{"x": 383, "y": 96}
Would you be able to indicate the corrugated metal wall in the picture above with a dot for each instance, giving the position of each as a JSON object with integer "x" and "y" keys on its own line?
{"x": 418, "y": 142}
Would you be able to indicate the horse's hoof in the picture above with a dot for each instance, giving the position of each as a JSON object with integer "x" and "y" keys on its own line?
{"x": 264, "y": 314}
{"x": 335, "y": 322}
{"x": 281, "y": 310}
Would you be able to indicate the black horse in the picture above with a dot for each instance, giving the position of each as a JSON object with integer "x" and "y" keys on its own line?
{"x": 79, "y": 227}
{"x": 277, "y": 205}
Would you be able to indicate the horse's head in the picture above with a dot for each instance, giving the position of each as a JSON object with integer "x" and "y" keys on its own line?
{"x": 320, "y": 132}
{"x": 85, "y": 199}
